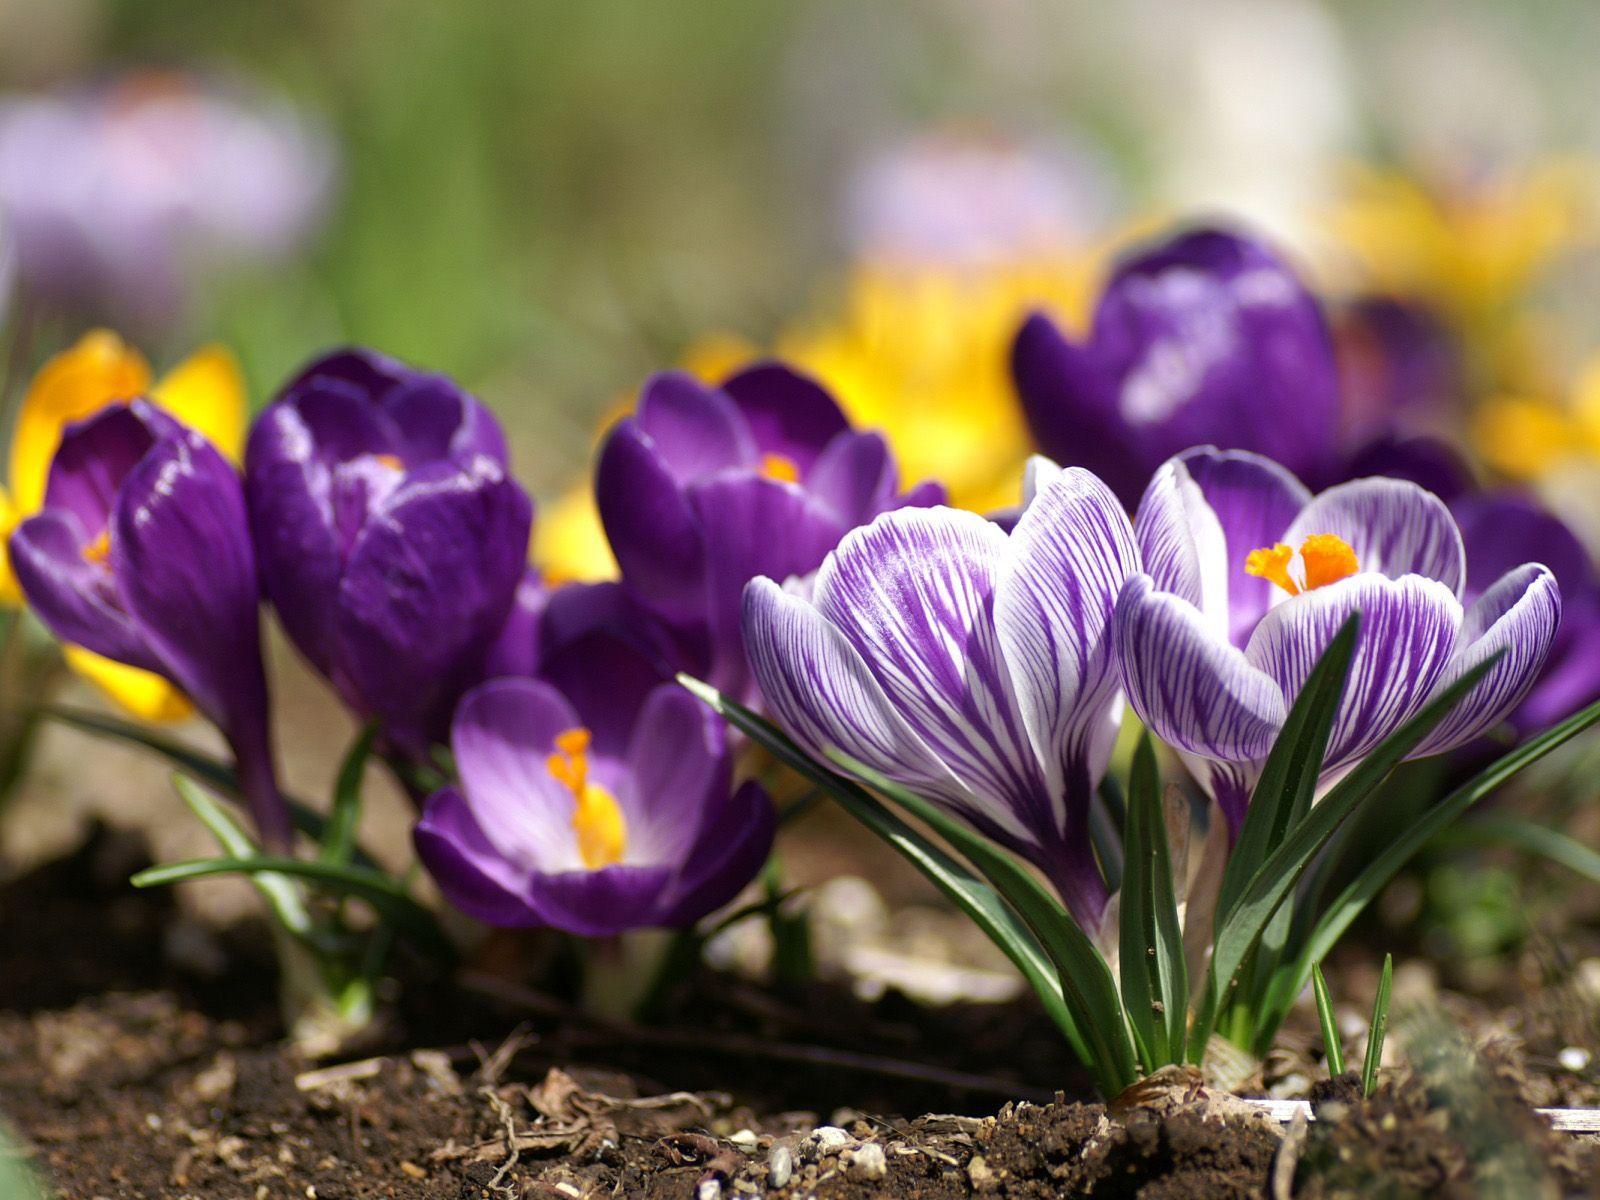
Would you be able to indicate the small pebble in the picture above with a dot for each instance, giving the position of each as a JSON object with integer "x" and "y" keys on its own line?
{"x": 828, "y": 1137}
{"x": 868, "y": 1161}
{"x": 745, "y": 1139}
{"x": 1574, "y": 1058}
{"x": 709, "y": 1189}
{"x": 780, "y": 1166}
{"x": 979, "y": 1174}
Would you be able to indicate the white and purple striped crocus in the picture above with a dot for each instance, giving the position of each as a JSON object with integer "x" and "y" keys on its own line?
{"x": 392, "y": 537}
{"x": 1248, "y": 577}
{"x": 596, "y": 796}
{"x": 142, "y": 553}
{"x": 970, "y": 665}
{"x": 704, "y": 488}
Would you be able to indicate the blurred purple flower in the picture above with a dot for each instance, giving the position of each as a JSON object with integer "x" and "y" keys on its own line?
{"x": 1205, "y": 337}
{"x": 119, "y": 193}
{"x": 706, "y": 488}
{"x": 1249, "y": 577}
{"x": 970, "y": 665}
{"x": 142, "y": 553}
{"x": 1399, "y": 367}
{"x": 595, "y": 799}
{"x": 392, "y": 539}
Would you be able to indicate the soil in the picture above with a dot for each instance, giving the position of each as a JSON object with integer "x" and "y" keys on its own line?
{"x": 140, "y": 1057}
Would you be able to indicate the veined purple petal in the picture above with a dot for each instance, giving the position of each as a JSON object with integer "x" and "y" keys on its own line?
{"x": 652, "y": 528}
{"x": 1193, "y": 687}
{"x": 1071, "y": 553}
{"x": 502, "y": 736}
{"x": 473, "y": 875}
{"x": 913, "y": 593}
{"x": 1408, "y": 635}
{"x": 818, "y": 688}
{"x": 426, "y": 590}
{"x": 694, "y": 428}
{"x": 1395, "y": 528}
{"x": 1182, "y": 545}
{"x": 1519, "y": 615}
{"x": 856, "y": 476}
{"x": 788, "y": 413}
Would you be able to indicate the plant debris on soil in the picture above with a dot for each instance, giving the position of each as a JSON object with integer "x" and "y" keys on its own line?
{"x": 139, "y": 1062}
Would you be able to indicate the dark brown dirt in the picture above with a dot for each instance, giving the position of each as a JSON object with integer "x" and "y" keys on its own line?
{"x": 139, "y": 1063}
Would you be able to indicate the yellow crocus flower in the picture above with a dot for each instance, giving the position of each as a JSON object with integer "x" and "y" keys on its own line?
{"x": 205, "y": 392}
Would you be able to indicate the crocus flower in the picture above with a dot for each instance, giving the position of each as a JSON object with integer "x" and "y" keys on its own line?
{"x": 142, "y": 553}
{"x": 1204, "y": 337}
{"x": 1248, "y": 579}
{"x": 205, "y": 393}
{"x": 595, "y": 798}
{"x": 391, "y": 537}
{"x": 973, "y": 666}
{"x": 705, "y": 488}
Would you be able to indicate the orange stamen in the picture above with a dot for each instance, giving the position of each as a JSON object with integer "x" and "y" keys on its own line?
{"x": 596, "y": 818}
{"x": 392, "y": 461}
{"x": 98, "y": 550}
{"x": 1272, "y": 564}
{"x": 776, "y": 466}
{"x": 1323, "y": 558}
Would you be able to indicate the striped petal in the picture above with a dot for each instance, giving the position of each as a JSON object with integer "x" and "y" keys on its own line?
{"x": 1518, "y": 616}
{"x": 1196, "y": 690}
{"x": 1408, "y": 636}
{"x": 1394, "y": 527}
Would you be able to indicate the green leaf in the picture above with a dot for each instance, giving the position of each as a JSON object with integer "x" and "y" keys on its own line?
{"x": 1372, "y": 878}
{"x": 1086, "y": 980}
{"x": 964, "y": 889}
{"x": 281, "y": 895}
{"x": 1283, "y": 867}
{"x": 377, "y": 889}
{"x": 1155, "y": 986}
{"x": 1289, "y": 776}
{"x": 1509, "y": 830}
{"x": 339, "y": 837}
{"x": 1330, "y": 1024}
{"x": 201, "y": 767}
{"x": 1107, "y": 818}
{"x": 1379, "y": 1029}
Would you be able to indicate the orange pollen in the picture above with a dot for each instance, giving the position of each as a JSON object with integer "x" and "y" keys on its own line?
{"x": 98, "y": 550}
{"x": 392, "y": 461}
{"x": 1323, "y": 558}
{"x": 570, "y": 763}
{"x": 776, "y": 466}
{"x": 597, "y": 821}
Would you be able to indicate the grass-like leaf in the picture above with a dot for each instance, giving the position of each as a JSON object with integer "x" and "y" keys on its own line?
{"x": 959, "y": 884}
{"x": 405, "y": 914}
{"x": 1379, "y": 1029}
{"x": 1155, "y": 986}
{"x": 1510, "y": 830}
{"x": 339, "y": 836}
{"x": 1330, "y": 1024}
{"x": 281, "y": 896}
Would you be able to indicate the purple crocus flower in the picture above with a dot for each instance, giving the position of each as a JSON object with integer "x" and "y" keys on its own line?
{"x": 1203, "y": 337}
{"x": 1501, "y": 530}
{"x": 705, "y": 488}
{"x": 142, "y": 554}
{"x": 1248, "y": 579}
{"x": 392, "y": 538}
{"x": 970, "y": 665}
{"x": 596, "y": 798}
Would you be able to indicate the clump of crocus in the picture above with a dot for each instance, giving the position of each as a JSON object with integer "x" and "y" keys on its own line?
{"x": 1248, "y": 577}
{"x": 968, "y": 664}
{"x": 141, "y": 552}
{"x": 596, "y": 798}
{"x": 705, "y": 488}
{"x": 392, "y": 539}
{"x": 1205, "y": 337}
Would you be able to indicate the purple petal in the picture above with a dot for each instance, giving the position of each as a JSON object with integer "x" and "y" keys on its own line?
{"x": 695, "y": 429}
{"x": 1427, "y": 462}
{"x": 788, "y": 413}
{"x": 1394, "y": 527}
{"x": 1518, "y": 616}
{"x": 502, "y": 737}
{"x": 427, "y": 587}
{"x": 1408, "y": 634}
{"x": 930, "y": 493}
{"x": 678, "y": 768}
{"x": 856, "y": 477}
{"x": 470, "y": 871}
{"x": 78, "y": 600}
{"x": 96, "y": 455}
{"x": 1193, "y": 687}
{"x": 913, "y": 593}
{"x": 1202, "y": 514}
{"x": 595, "y": 653}
{"x": 434, "y": 419}
{"x": 733, "y": 842}
{"x": 1071, "y": 553}
{"x": 1569, "y": 680}
{"x": 600, "y": 903}
{"x": 363, "y": 369}
{"x": 518, "y": 647}
{"x": 652, "y": 528}
{"x": 1503, "y": 531}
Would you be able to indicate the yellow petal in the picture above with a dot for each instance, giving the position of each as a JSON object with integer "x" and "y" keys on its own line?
{"x": 206, "y": 392}
{"x": 10, "y": 594}
{"x": 99, "y": 369}
{"x": 1523, "y": 437}
{"x": 143, "y": 695}
{"x": 570, "y": 543}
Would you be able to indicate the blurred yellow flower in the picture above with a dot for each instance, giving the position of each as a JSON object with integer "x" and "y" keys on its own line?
{"x": 1526, "y": 437}
{"x": 206, "y": 392}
